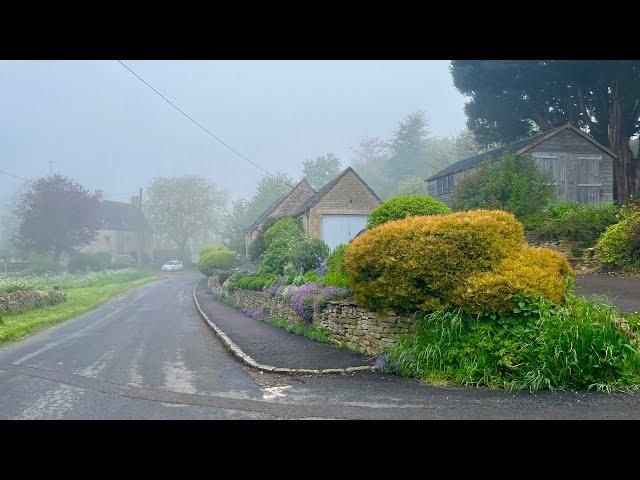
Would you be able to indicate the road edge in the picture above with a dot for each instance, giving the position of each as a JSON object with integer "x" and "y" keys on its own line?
{"x": 249, "y": 361}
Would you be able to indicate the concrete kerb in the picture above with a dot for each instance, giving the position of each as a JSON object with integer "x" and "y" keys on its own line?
{"x": 249, "y": 361}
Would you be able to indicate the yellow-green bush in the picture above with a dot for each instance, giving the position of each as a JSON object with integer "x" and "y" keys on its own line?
{"x": 418, "y": 262}
{"x": 533, "y": 271}
{"x": 217, "y": 260}
{"x": 213, "y": 248}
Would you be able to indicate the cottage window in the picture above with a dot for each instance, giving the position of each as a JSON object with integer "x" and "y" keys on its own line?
{"x": 445, "y": 184}
{"x": 107, "y": 240}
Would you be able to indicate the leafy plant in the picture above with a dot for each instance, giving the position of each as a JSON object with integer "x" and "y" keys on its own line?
{"x": 337, "y": 274}
{"x": 619, "y": 245}
{"x": 577, "y": 222}
{"x": 398, "y": 208}
{"x": 513, "y": 183}
{"x": 540, "y": 346}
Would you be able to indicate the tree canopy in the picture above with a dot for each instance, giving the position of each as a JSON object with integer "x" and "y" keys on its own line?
{"x": 321, "y": 170}
{"x": 509, "y": 100}
{"x": 55, "y": 215}
{"x": 184, "y": 209}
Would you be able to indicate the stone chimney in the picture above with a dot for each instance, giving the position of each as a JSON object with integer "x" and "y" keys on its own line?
{"x": 135, "y": 200}
{"x": 99, "y": 195}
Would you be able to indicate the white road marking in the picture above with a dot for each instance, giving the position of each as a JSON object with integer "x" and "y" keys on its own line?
{"x": 274, "y": 392}
{"x": 178, "y": 377}
{"x": 52, "y": 404}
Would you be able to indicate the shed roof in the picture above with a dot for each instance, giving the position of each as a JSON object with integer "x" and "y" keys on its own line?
{"x": 518, "y": 147}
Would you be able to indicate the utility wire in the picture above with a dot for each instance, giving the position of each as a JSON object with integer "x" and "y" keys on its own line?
{"x": 14, "y": 176}
{"x": 196, "y": 123}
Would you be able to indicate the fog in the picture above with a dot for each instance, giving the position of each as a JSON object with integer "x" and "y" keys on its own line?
{"x": 95, "y": 122}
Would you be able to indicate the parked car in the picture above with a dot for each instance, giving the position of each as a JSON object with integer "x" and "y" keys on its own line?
{"x": 172, "y": 266}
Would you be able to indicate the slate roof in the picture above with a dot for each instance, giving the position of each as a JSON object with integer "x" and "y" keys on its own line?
{"x": 265, "y": 214}
{"x": 311, "y": 201}
{"x": 258, "y": 221}
{"x": 518, "y": 146}
{"x": 478, "y": 159}
{"x": 117, "y": 215}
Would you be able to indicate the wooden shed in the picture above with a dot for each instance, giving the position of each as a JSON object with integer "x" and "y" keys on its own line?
{"x": 582, "y": 168}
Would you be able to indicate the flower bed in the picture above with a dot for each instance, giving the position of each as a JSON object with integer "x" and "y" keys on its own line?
{"x": 344, "y": 322}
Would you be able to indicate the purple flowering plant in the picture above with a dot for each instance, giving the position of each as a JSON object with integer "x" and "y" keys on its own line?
{"x": 309, "y": 298}
{"x": 273, "y": 289}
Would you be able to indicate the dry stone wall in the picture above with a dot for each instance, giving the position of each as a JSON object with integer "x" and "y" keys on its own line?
{"x": 28, "y": 299}
{"x": 347, "y": 324}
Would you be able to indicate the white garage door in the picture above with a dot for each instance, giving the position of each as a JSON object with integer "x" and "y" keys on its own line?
{"x": 337, "y": 229}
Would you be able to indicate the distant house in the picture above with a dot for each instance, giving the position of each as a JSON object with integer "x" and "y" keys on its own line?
{"x": 118, "y": 233}
{"x": 582, "y": 168}
{"x": 336, "y": 213}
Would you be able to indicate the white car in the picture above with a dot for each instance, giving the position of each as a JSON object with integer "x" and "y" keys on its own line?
{"x": 172, "y": 266}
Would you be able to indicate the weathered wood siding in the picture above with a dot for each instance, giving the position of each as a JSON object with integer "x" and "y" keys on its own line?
{"x": 581, "y": 171}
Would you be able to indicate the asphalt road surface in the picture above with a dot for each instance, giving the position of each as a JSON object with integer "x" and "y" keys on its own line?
{"x": 147, "y": 355}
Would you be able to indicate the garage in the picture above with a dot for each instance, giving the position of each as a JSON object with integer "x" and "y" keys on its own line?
{"x": 337, "y": 229}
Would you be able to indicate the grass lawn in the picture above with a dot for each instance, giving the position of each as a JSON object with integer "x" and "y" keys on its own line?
{"x": 14, "y": 326}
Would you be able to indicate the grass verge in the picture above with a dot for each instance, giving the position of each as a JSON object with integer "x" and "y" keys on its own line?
{"x": 14, "y": 326}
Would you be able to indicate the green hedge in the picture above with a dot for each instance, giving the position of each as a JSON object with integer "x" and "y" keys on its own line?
{"x": 95, "y": 262}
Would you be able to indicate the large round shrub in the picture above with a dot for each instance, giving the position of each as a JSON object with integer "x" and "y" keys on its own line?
{"x": 532, "y": 272}
{"x": 213, "y": 248}
{"x": 407, "y": 206}
{"x": 418, "y": 262}
{"x": 217, "y": 260}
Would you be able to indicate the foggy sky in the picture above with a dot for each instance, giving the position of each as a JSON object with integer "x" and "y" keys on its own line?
{"x": 105, "y": 129}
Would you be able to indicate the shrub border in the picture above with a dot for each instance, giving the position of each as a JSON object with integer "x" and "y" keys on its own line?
{"x": 249, "y": 361}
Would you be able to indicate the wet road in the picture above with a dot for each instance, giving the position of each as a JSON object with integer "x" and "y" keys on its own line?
{"x": 147, "y": 355}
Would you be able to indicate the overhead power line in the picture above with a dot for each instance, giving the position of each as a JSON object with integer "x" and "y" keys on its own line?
{"x": 14, "y": 176}
{"x": 197, "y": 123}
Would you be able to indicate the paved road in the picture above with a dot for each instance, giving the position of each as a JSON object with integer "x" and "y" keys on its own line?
{"x": 624, "y": 293}
{"x": 147, "y": 355}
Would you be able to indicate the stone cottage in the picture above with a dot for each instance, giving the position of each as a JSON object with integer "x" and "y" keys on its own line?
{"x": 118, "y": 233}
{"x": 336, "y": 213}
{"x": 582, "y": 168}
{"x": 339, "y": 210}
